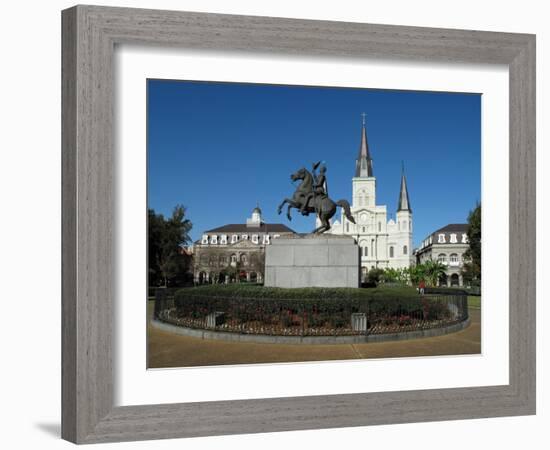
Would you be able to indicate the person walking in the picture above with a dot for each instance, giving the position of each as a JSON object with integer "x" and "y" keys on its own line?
{"x": 421, "y": 287}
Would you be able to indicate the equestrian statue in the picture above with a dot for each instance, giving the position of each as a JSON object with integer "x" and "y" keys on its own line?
{"x": 311, "y": 196}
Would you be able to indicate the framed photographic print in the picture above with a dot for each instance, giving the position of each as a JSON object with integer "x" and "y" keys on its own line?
{"x": 300, "y": 209}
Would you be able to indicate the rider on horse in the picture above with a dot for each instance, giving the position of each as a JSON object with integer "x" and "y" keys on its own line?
{"x": 319, "y": 188}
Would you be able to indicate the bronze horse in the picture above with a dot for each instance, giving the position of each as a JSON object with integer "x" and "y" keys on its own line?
{"x": 322, "y": 205}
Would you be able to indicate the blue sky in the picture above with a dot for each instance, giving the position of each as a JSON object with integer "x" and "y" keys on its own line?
{"x": 219, "y": 148}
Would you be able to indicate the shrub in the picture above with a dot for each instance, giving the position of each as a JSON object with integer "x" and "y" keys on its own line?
{"x": 310, "y": 307}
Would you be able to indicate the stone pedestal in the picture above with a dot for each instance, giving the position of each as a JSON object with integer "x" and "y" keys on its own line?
{"x": 312, "y": 261}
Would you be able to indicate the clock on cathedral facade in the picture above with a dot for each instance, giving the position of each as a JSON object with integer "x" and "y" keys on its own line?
{"x": 383, "y": 243}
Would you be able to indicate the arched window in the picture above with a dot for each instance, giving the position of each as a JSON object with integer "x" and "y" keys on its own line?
{"x": 455, "y": 279}
{"x": 233, "y": 258}
{"x": 243, "y": 258}
{"x": 391, "y": 251}
{"x": 442, "y": 258}
{"x": 405, "y": 249}
{"x": 453, "y": 258}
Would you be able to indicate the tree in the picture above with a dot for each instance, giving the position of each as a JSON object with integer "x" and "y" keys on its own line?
{"x": 417, "y": 273}
{"x": 375, "y": 275}
{"x": 166, "y": 237}
{"x": 433, "y": 270}
{"x": 392, "y": 275}
{"x": 472, "y": 256}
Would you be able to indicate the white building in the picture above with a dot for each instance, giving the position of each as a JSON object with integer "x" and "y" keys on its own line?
{"x": 384, "y": 243}
{"x": 236, "y": 251}
{"x": 446, "y": 245}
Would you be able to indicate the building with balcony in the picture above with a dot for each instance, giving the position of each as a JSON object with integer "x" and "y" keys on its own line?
{"x": 235, "y": 252}
{"x": 446, "y": 245}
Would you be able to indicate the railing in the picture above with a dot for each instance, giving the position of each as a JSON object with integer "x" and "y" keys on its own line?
{"x": 299, "y": 317}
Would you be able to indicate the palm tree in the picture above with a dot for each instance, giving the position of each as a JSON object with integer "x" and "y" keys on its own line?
{"x": 434, "y": 270}
{"x": 417, "y": 273}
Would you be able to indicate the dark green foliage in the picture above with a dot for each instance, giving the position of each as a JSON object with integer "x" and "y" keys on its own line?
{"x": 260, "y": 292}
{"x": 375, "y": 275}
{"x": 445, "y": 291}
{"x": 258, "y": 308}
{"x": 472, "y": 268}
{"x": 167, "y": 263}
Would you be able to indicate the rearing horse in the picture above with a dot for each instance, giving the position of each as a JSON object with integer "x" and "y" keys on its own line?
{"x": 322, "y": 205}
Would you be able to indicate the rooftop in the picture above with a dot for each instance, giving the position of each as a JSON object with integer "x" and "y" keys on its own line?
{"x": 242, "y": 228}
{"x": 453, "y": 228}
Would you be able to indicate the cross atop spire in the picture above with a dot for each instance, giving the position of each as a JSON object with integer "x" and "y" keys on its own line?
{"x": 363, "y": 164}
{"x": 403, "y": 204}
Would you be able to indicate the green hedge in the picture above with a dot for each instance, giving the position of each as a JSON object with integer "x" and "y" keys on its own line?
{"x": 256, "y": 300}
{"x": 445, "y": 291}
{"x": 257, "y": 309}
{"x": 261, "y": 292}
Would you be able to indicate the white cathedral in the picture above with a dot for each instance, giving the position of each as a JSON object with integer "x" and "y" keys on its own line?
{"x": 384, "y": 243}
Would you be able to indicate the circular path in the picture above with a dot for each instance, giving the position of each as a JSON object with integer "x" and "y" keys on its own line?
{"x": 170, "y": 350}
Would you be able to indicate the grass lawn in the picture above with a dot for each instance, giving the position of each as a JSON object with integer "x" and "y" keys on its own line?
{"x": 474, "y": 301}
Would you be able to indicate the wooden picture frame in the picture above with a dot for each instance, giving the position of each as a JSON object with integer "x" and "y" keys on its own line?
{"x": 90, "y": 34}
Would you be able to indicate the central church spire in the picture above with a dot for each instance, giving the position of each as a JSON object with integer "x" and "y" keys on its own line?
{"x": 403, "y": 204}
{"x": 363, "y": 164}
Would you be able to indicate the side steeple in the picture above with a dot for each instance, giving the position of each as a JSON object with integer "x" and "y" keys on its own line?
{"x": 403, "y": 204}
{"x": 363, "y": 164}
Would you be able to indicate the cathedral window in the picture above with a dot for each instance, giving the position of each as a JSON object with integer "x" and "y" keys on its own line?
{"x": 405, "y": 249}
{"x": 391, "y": 251}
{"x": 364, "y": 248}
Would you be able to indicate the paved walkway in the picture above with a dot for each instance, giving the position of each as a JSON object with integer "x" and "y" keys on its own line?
{"x": 171, "y": 350}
